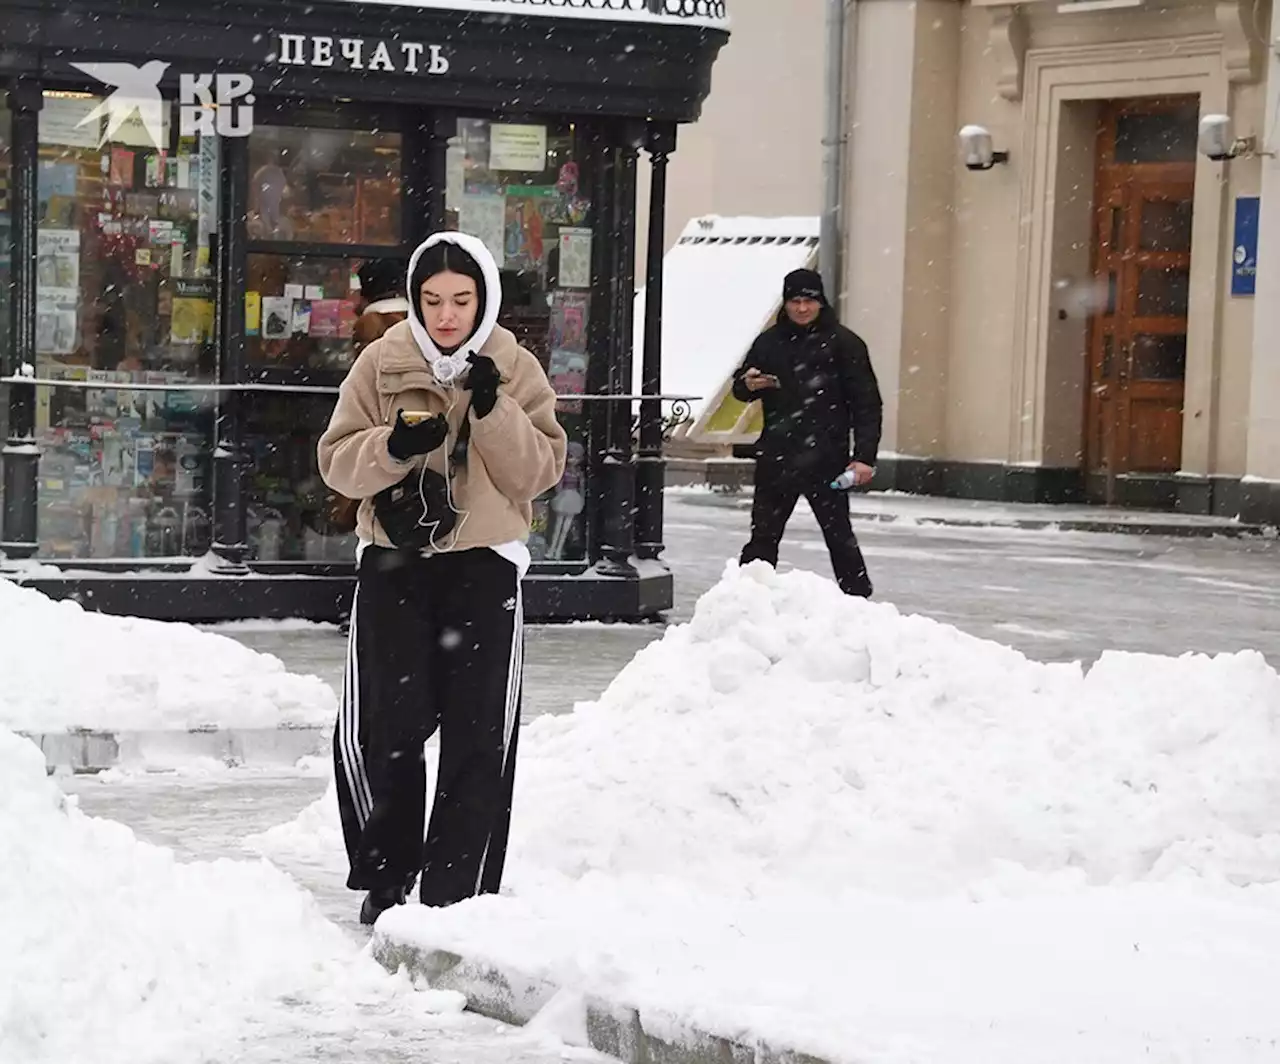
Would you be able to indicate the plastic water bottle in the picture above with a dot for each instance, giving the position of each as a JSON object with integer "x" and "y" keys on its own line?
{"x": 844, "y": 481}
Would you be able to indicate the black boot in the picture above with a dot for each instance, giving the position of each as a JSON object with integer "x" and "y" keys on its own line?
{"x": 377, "y": 902}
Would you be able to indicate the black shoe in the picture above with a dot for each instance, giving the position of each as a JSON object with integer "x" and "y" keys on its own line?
{"x": 377, "y": 902}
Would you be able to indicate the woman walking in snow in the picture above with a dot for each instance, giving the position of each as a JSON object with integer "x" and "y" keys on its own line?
{"x": 445, "y": 430}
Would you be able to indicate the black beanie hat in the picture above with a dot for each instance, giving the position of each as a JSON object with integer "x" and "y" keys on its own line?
{"x": 381, "y": 279}
{"x": 803, "y": 284}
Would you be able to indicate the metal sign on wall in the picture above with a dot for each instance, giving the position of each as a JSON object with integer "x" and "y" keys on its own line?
{"x": 1244, "y": 253}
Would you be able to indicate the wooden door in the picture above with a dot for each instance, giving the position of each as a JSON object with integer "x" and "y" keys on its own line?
{"x": 1142, "y": 268}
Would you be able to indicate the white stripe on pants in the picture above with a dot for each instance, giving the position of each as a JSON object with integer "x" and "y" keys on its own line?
{"x": 515, "y": 675}
{"x": 349, "y": 725}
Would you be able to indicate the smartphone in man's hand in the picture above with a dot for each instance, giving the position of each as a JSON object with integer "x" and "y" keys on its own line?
{"x": 757, "y": 381}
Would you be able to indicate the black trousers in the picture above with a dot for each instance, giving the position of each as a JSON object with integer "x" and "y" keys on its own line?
{"x": 435, "y": 643}
{"x": 777, "y": 489}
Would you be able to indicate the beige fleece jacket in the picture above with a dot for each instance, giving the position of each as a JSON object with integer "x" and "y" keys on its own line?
{"x": 516, "y": 453}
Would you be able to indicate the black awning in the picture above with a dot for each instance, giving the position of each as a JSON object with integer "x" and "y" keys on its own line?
{"x": 385, "y": 52}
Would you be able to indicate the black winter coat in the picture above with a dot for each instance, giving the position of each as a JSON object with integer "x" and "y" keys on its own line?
{"x": 828, "y": 391}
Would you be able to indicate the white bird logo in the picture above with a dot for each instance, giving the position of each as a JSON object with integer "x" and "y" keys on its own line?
{"x": 136, "y": 89}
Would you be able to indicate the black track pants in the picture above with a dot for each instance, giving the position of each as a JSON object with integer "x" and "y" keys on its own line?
{"x": 435, "y": 643}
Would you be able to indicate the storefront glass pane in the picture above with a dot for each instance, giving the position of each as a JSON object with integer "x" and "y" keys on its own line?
{"x": 6, "y": 159}
{"x": 5, "y": 164}
{"x": 300, "y": 312}
{"x": 124, "y": 474}
{"x": 125, "y": 295}
{"x": 521, "y": 188}
{"x": 289, "y": 506}
{"x": 324, "y": 186}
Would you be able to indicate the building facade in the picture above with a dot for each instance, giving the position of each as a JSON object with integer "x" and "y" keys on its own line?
{"x": 1086, "y": 319}
{"x": 756, "y": 149}
{"x": 178, "y": 276}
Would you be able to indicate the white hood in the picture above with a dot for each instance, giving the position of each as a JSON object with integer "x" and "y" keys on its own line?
{"x": 449, "y": 368}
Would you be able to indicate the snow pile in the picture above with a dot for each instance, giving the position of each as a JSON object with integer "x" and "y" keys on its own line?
{"x": 788, "y": 734}
{"x": 64, "y": 667}
{"x": 809, "y": 819}
{"x": 260, "y": 625}
{"x": 115, "y": 951}
{"x": 313, "y": 836}
{"x": 1107, "y": 975}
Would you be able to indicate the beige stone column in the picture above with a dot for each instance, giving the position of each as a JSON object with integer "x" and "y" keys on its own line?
{"x": 900, "y": 183}
{"x": 1262, "y": 460}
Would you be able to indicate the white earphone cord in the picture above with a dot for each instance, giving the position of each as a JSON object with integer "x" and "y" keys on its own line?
{"x": 462, "y": 515}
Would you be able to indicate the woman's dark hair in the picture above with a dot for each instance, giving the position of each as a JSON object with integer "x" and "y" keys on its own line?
{"x": 441, "y": 258}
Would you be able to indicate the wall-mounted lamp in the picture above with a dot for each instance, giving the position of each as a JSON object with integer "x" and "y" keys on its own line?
{"x": 976, "y": 148}
{"x": 1218, "y": 142}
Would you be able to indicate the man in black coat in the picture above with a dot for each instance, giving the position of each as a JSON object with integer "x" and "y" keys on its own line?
{"x": 814, "y": 379}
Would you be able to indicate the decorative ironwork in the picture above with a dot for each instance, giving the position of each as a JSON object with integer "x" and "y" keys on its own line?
{"x": 702, "y": 10}
{"x": 681, "y": 413}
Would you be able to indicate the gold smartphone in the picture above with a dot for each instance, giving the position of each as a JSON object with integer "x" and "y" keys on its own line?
{"x": 415, "y": 417}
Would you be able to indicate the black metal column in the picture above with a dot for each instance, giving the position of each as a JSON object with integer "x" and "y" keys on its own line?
{"x": 230, "y": 539}
{"x": 650, "y": 463}
{"x": 603, "y": 163}
{"x": 425, "y": 173}
{"x": 21, "y": 457}
{"x": 619, "y": 471}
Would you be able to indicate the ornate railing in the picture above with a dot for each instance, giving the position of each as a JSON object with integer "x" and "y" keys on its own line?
{"x": 681, "y": 413}
{"x": 704, "y": 12}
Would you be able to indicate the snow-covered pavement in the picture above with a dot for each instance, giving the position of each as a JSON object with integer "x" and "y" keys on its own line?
{"x": 207, "y": 814}
{"x": 119, "y": 951}
{"x": 1133, "y": 805}
{"x": 1055, "y": 596}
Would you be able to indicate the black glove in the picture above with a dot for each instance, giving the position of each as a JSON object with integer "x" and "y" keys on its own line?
{"x": 406, "y": 441}
{"x": 483, "y": 380}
